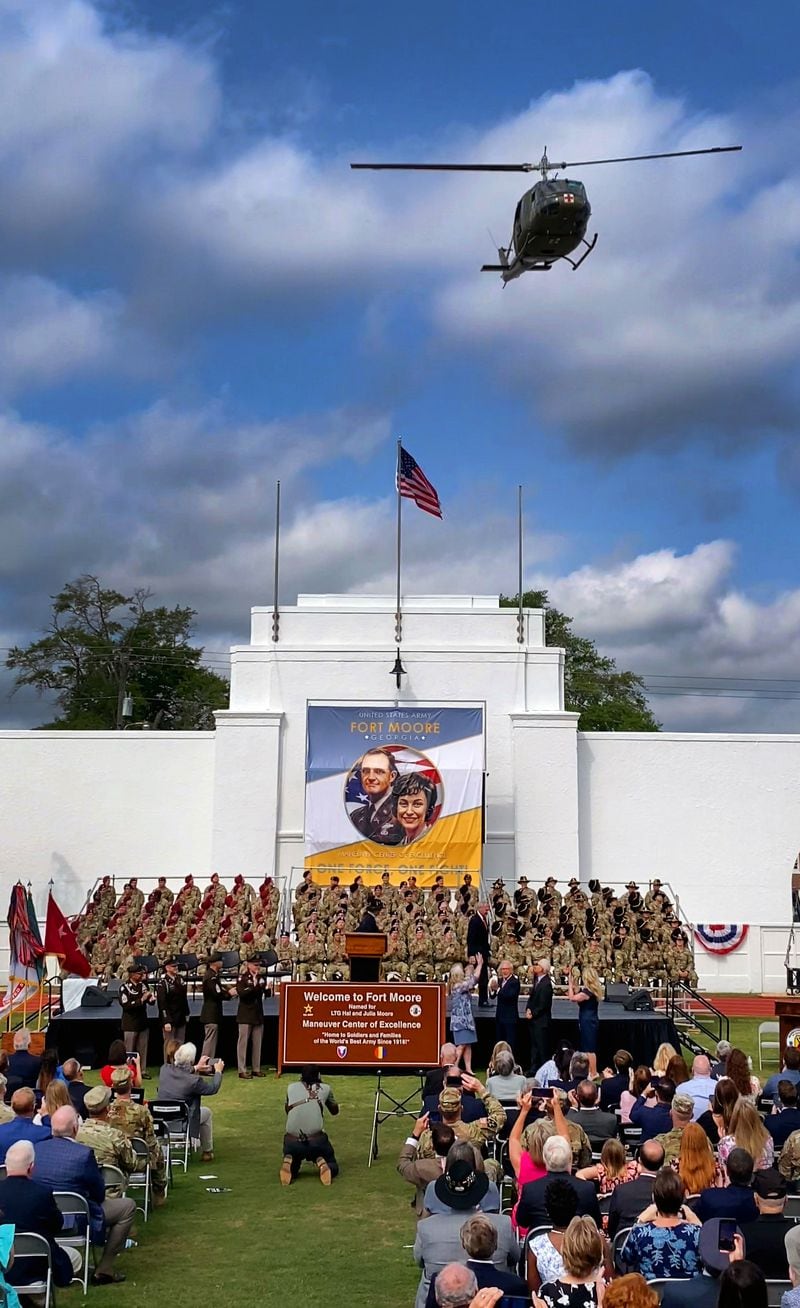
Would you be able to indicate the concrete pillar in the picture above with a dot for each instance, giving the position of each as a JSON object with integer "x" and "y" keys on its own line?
{"x": 545, "y": 770}
{"x": 246, "y": 794}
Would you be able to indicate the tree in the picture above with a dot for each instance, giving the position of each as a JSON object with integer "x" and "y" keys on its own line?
{"x": 607, "y": 699}
{"x": 101, "y": 646}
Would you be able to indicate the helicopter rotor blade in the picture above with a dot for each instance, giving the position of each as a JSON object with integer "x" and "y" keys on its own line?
{"x": 634, "y": 158}
{"x": 448, "y": 167}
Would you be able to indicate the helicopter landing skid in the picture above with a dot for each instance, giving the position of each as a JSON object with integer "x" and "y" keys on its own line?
{"x": 589, "y": 247}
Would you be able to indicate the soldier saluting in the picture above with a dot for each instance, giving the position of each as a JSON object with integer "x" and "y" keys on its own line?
{"x": 134, "y": 996}
{"x": 173, "y": 1003}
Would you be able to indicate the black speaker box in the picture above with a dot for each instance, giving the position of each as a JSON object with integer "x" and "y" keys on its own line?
{"x": 638, "y": 1002}
{"x": 94, "y": 997}
{"x": 617, "y": 992}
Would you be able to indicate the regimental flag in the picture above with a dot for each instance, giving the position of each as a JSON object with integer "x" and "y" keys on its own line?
{"x": 59, "y": 939}
{"x": 26, "y": 964}
{"x": 414, "y": 485}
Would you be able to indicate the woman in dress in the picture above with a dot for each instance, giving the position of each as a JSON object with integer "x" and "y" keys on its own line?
{"x": 462, "y": 1020}
{"x": 747, "y": 1131}
{"x": 614, "y": 1168}
{"x": 664, "y": 1243}
{"x": 505, "y": 1081}
{"x": 581, "y": 1285}
{"x": 544, "y": 1261}
{"x": 587, "y": 996}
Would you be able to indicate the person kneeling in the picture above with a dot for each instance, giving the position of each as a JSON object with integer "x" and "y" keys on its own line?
{"x": 305, "y": 1140}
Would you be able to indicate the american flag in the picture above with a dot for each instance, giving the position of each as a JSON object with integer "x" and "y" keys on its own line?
{"x": 412, "y": 482}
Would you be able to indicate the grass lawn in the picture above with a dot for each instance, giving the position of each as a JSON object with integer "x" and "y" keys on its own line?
{"x": 339, "y": 1246}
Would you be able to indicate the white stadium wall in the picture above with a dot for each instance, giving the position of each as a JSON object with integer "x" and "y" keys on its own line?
{"x": 717, "y": 817}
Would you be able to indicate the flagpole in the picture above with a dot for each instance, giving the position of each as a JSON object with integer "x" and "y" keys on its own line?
{"x": 398, "y": 669}
{"x": 520, "y": 619}
{"x": 276, "y": 620}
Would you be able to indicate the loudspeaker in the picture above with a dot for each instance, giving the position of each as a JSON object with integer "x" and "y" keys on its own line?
{"x": 638, "y": 1002}
{"x": 94, "y": 997}
{"x": 617, "y": 992}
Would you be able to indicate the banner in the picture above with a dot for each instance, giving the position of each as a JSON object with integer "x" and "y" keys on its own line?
{"x": 26, "y": 963}
{"x": 397, "y": 790}
{"x": 719, "y": 938}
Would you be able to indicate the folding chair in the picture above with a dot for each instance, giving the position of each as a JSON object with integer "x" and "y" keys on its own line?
{"x": 616, "y": 1247}
{"x": 792, "y": 1208}
{"x": 175, "y": 1117}
{"x": 162, "y": 1136}
{"x": 659, "y": 1282}
{"x": 32, "y": 1247}
{"x": 75, "y": 1205}
{"x": 140, "y": 1179}
{"x": 767, "y": 1029}
{"x": 604, "y": 1203}
{"x": 3, "y": 1173}
{"x": 775, "y": 1291}
{"x": 114, "y": 1178}
{"x": 522, "y": 1269}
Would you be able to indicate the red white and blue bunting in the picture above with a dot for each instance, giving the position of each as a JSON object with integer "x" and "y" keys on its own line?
{"x": 720, "y": 939}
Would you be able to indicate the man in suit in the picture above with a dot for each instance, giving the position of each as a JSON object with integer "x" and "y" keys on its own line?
{"x": 616, "y": 1080}
{"x": 781, "y": 1124}
{"x": 438, "y": 1239}
{"x": 479, "y": 1239}
{"x": 734, "y": 1200}
{"x": 63, "y": 1164}
{"x": 23, "y": 1067}
{"x": 434, "y": 1079}
{"x": 73, "y": 1075}
{"x": 376, "y": 820}
{"x": 652, "y": 1112}
{"x": 22, "y": 1126}
{"x": 765, "y": 1238}
{"x": 506, "y": 1016}
{"x": 478, "y": 943}
{"x": 31, "y": 1207}
{"x": 631, "y": 1199}
{"x": 539, "y": 1012}
{"x": 599, "y": 1126}
{"x": 532, "y": 1208}
{"x": 790, "y": 1071}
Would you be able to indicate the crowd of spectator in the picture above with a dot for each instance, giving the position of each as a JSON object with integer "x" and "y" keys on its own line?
{"x": 666, "y": 1183}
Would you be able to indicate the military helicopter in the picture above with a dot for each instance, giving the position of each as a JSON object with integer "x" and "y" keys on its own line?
{"x": 551, "y": 218}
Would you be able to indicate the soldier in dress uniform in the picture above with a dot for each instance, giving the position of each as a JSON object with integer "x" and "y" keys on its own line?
{"x": 376, "y": 819}
{"x": 110, "y": 1146}
{"x": 173, "y": 1002}
{"x": 134, "y": 996}
{"x": 214, "y": 995}
{"x": 251, "y": 988}
{"x": 135, "y": 1120}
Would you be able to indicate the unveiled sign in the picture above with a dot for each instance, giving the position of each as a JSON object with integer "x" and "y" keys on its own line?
{"x": 373, "y": 1025}
{"x": 397, "y": 789}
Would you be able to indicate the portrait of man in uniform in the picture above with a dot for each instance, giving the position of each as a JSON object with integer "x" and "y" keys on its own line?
{"x": 376, "y": 819}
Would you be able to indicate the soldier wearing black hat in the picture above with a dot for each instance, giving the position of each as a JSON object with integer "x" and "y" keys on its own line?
{"x": 214, "y": 993}
{"x": 173, "y": 1003}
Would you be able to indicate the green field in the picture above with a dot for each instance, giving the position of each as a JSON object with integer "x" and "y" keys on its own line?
{"x": 336, "y": 1247}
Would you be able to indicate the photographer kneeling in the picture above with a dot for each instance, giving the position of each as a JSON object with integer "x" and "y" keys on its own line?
{"x": 185, "y": 1080}
{"x": 305, "y": 1140}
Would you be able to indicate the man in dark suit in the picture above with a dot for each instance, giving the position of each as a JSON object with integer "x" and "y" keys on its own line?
{"x": 478, "y": 943}
{"x": 615, "y": 1080}
{"x": 539, "y": 1012}
{"x": 434, "y": 1079}
{"x": 506, "y": 1016}
{"x": 22, "y": 1126}
{"x": 377, "y": 820}
{"x": 63, "y": 1164}
{"x": 734, "y": 1200}
{"x": 23, "y": 1067}
{"x": 31, "y": 1207}
{"x": 532, "y": 1209}
{"x": 599, "y": 1126}
{"x": 75, "y": 1085}
{"x": 764, "y": 1238}
{"x": 781, "y": 1124}
{"x": 654, "y": 1118}
{"x": 631, "y": 1199}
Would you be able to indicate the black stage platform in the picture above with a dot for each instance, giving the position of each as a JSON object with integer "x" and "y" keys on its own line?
{"x": 86, "y": 1033}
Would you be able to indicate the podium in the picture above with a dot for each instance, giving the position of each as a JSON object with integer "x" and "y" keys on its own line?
{"x": 787, "y": 1012}
{"x": 364, "y": 950}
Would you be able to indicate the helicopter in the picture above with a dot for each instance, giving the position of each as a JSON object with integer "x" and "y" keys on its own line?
{"x": 551, "y": 218}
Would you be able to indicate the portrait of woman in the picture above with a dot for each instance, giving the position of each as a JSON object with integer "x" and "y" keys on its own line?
{"x": 414, "y": 799}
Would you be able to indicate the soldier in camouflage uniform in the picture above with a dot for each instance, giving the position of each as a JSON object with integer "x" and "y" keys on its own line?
{"x": 680, "y": 963}
{"x": 311, "y": 952}
{"x": 480, "y": 1133}
{"x": 394, "y": 963}
{"x": 287, "y": 953}
{"x": 135, "y": 1120}
{"x": 337, "y": 967}
{"x": 420, "y": 955}
{"x": 109, "y": 1146}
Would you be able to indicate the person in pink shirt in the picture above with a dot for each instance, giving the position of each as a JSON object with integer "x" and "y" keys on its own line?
{"x": 528, "y": 1164}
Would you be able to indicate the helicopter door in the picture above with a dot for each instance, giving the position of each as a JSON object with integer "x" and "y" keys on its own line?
{"x": 518, "y": 229}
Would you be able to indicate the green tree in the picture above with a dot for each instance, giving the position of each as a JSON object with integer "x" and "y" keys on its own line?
{"x": 607, "y": 699}
{"x": 101, "y": 645}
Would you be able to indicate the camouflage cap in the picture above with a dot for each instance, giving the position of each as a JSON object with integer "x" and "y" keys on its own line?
{"x": 683, "y": 1105}
{"x": 98, "y": 1098}
{"x": 450, "y": 1099}
{"x": 120, "y": 1077}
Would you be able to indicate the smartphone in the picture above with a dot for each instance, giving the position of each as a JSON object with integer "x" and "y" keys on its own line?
{"x": 454, "y": 1081}
{"x": 727, "y": 1234}
{"x": 656, "y": 1080}
{"x": 546, "y": 1093}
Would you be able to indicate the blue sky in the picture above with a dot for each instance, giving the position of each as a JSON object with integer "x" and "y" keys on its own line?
{"x": 199, "y": 296}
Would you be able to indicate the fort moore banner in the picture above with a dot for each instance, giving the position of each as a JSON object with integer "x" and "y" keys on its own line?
{"x": 394, "y": 789}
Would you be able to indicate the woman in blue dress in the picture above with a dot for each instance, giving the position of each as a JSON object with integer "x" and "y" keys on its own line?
{"x": 462, "y": 1019}
{"x": 587, "y": 996}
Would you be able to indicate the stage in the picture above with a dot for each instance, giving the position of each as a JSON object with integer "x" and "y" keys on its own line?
{"x": 86, "y": 1033}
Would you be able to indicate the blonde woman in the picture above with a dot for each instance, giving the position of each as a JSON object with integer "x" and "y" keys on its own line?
{"x": 661, "y": 1061}
{"x": 747, "y": 1131}
{"x": 581, "y": 1285}
{"x": 462, "y": 1020}
{"x": 587, "y": 996}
